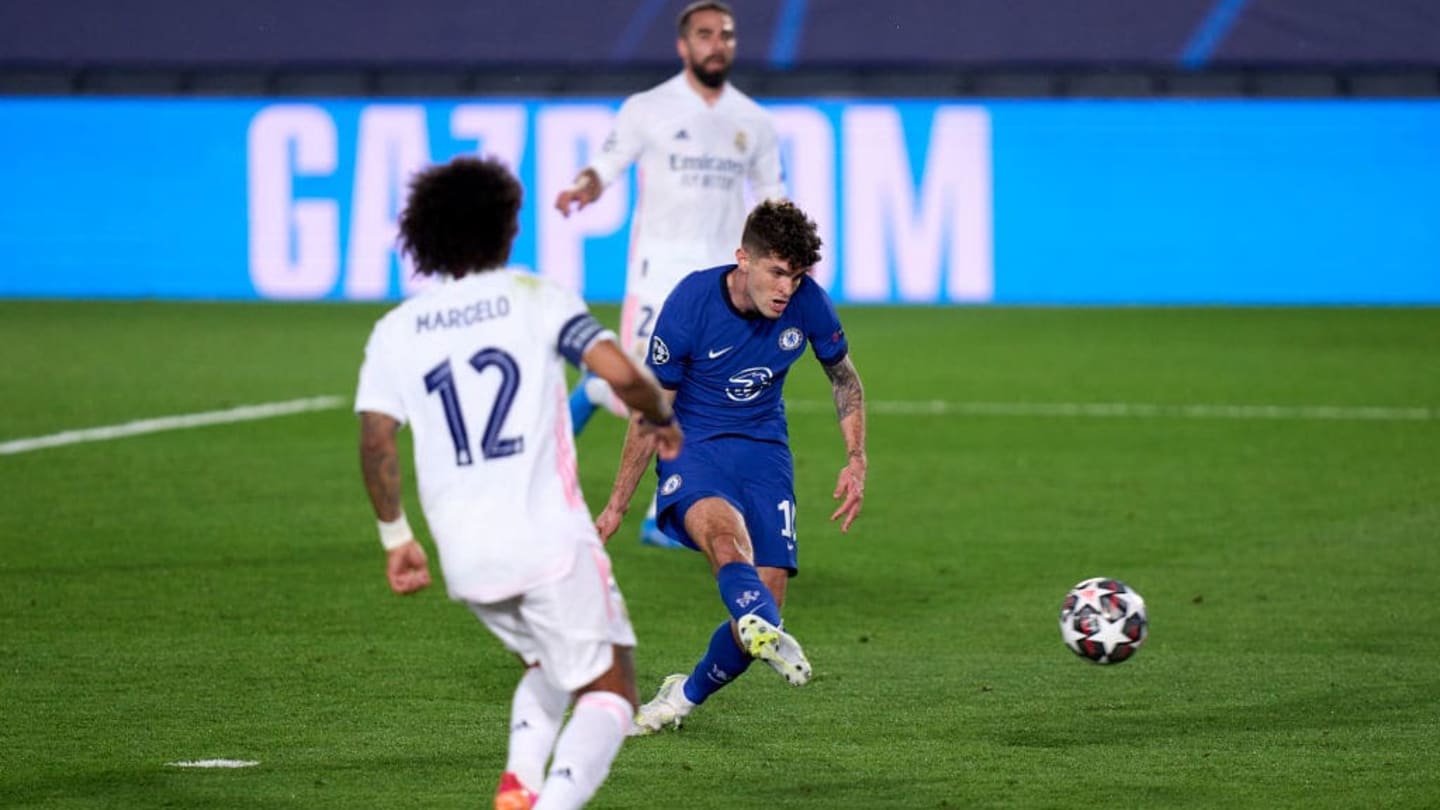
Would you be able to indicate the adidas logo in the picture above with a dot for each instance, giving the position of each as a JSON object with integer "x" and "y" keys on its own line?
{"x": 682, "y": 135}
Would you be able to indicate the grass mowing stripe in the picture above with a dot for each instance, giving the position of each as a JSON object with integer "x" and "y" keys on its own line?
{"x": 242, "y": 413}
{"x": 1359, "y": 413}
{"x": 934, "y": 407}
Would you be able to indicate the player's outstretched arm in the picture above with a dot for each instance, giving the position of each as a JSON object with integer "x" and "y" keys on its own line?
{"x": 850, "y": 409}
{"x": 652, "y": 428}
{"x": 636, "y": 387}
{"x": 635, "y": 457}
{"x": 406, "y": 567}
{"x": 586, "y": 189}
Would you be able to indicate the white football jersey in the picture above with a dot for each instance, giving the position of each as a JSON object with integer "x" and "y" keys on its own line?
{"x": 475, "y": 366}
{"x": 694, "y": 162}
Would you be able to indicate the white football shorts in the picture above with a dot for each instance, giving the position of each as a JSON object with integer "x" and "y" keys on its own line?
{"x": 647, "y": 284}
{"x": 637, "y": 323}
{"x": 568, "y": 626}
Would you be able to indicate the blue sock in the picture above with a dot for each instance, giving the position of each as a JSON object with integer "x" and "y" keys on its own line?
{"x": 744, "y": 593}
{"x": 581, "y": 408}
{"x": 721, "y": 664}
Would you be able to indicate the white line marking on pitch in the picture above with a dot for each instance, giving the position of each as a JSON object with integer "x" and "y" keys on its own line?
{"x": 214, "y": 763}
{"x": 1363, "y": 413}
{"x": 243, "y": 413}
{"x": 934, "y": 407}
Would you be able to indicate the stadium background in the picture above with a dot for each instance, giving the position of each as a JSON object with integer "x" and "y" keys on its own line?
{"x": 1205, "y": 151}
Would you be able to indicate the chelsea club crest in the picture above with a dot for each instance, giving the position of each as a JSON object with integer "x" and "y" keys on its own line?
{"x": 671, "y": 484}
{"x": 791, "y": 339}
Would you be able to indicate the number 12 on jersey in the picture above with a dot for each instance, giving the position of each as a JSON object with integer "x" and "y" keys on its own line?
{"x": 441, "y": 380}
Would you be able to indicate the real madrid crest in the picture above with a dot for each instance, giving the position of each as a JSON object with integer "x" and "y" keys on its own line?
{"x": 791, "y": 339}
{"x": 741, "y": 142}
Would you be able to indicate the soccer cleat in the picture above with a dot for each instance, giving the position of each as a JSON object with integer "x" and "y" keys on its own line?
{"x": 512, "y": 795}
{"x": 774, "y": 646}
{"x": 667, "y": 709}
{"x": 650, "y": 535}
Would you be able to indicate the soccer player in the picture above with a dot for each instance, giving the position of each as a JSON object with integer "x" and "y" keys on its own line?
{"x": 697, "y": 140}
{"x": 724, "y": 344}
{"x": 474, "y": 365}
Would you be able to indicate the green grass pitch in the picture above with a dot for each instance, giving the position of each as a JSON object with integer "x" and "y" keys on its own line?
{"x": 218, "y": 593}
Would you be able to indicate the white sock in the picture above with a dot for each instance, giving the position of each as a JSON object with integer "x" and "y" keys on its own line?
{"x": 536, "y": 713}
{"x": 600, "y": 394}
{"x": 585, "y": 750}
{"x": 650, "y": 513}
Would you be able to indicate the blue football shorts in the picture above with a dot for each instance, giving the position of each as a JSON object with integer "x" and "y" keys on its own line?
{"x": 757, "y": 478}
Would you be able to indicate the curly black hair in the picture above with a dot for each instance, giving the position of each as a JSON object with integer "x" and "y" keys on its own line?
{"x": 461, "y": 217}
{"x": 780, "y": 229}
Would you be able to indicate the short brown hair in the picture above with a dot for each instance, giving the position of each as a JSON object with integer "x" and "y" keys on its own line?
{"x": 780, "y": 229}
{"x": 683, "y": 22}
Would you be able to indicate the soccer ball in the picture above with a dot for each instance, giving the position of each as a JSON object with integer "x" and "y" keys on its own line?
{"x": 1103, "y": 620}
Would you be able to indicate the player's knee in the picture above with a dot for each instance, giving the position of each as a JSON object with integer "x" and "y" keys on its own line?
{"x": 729, "y": 547}
{"x": 618, "y": 679}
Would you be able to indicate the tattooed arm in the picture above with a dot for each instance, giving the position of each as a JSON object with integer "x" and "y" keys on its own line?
{"x": 406, "y": 566}
{"x": 380, "y": 463}
{"x": 850, "y": 409}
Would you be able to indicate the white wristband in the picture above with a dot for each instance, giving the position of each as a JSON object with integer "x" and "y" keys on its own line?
{"x": 395, "y": 533}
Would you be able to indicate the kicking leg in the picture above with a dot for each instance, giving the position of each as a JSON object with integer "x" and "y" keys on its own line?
{"x": 754, "y": 603}
{"x": 723, "y": 662}
{"x": 770, "y": 643}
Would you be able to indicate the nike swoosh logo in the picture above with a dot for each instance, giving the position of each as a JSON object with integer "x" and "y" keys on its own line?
{"x": 714, "y": 353}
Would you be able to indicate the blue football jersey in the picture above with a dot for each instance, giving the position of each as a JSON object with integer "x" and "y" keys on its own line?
{"x": 729, "y": 368}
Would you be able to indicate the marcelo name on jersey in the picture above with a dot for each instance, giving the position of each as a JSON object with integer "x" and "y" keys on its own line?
{"x": 482, "y": 310}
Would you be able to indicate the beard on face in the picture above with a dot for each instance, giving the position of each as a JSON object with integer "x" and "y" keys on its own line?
{"x": 714, "y": 78}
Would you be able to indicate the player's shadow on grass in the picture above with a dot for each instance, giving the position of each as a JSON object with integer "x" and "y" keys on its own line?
{"x": 426, "y": 779}
{"x": 146, "y": 786}
{"x": 156, "y": 565}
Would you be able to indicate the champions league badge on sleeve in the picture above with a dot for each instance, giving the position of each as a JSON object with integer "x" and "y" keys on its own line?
{"x": 659, "y": 352}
